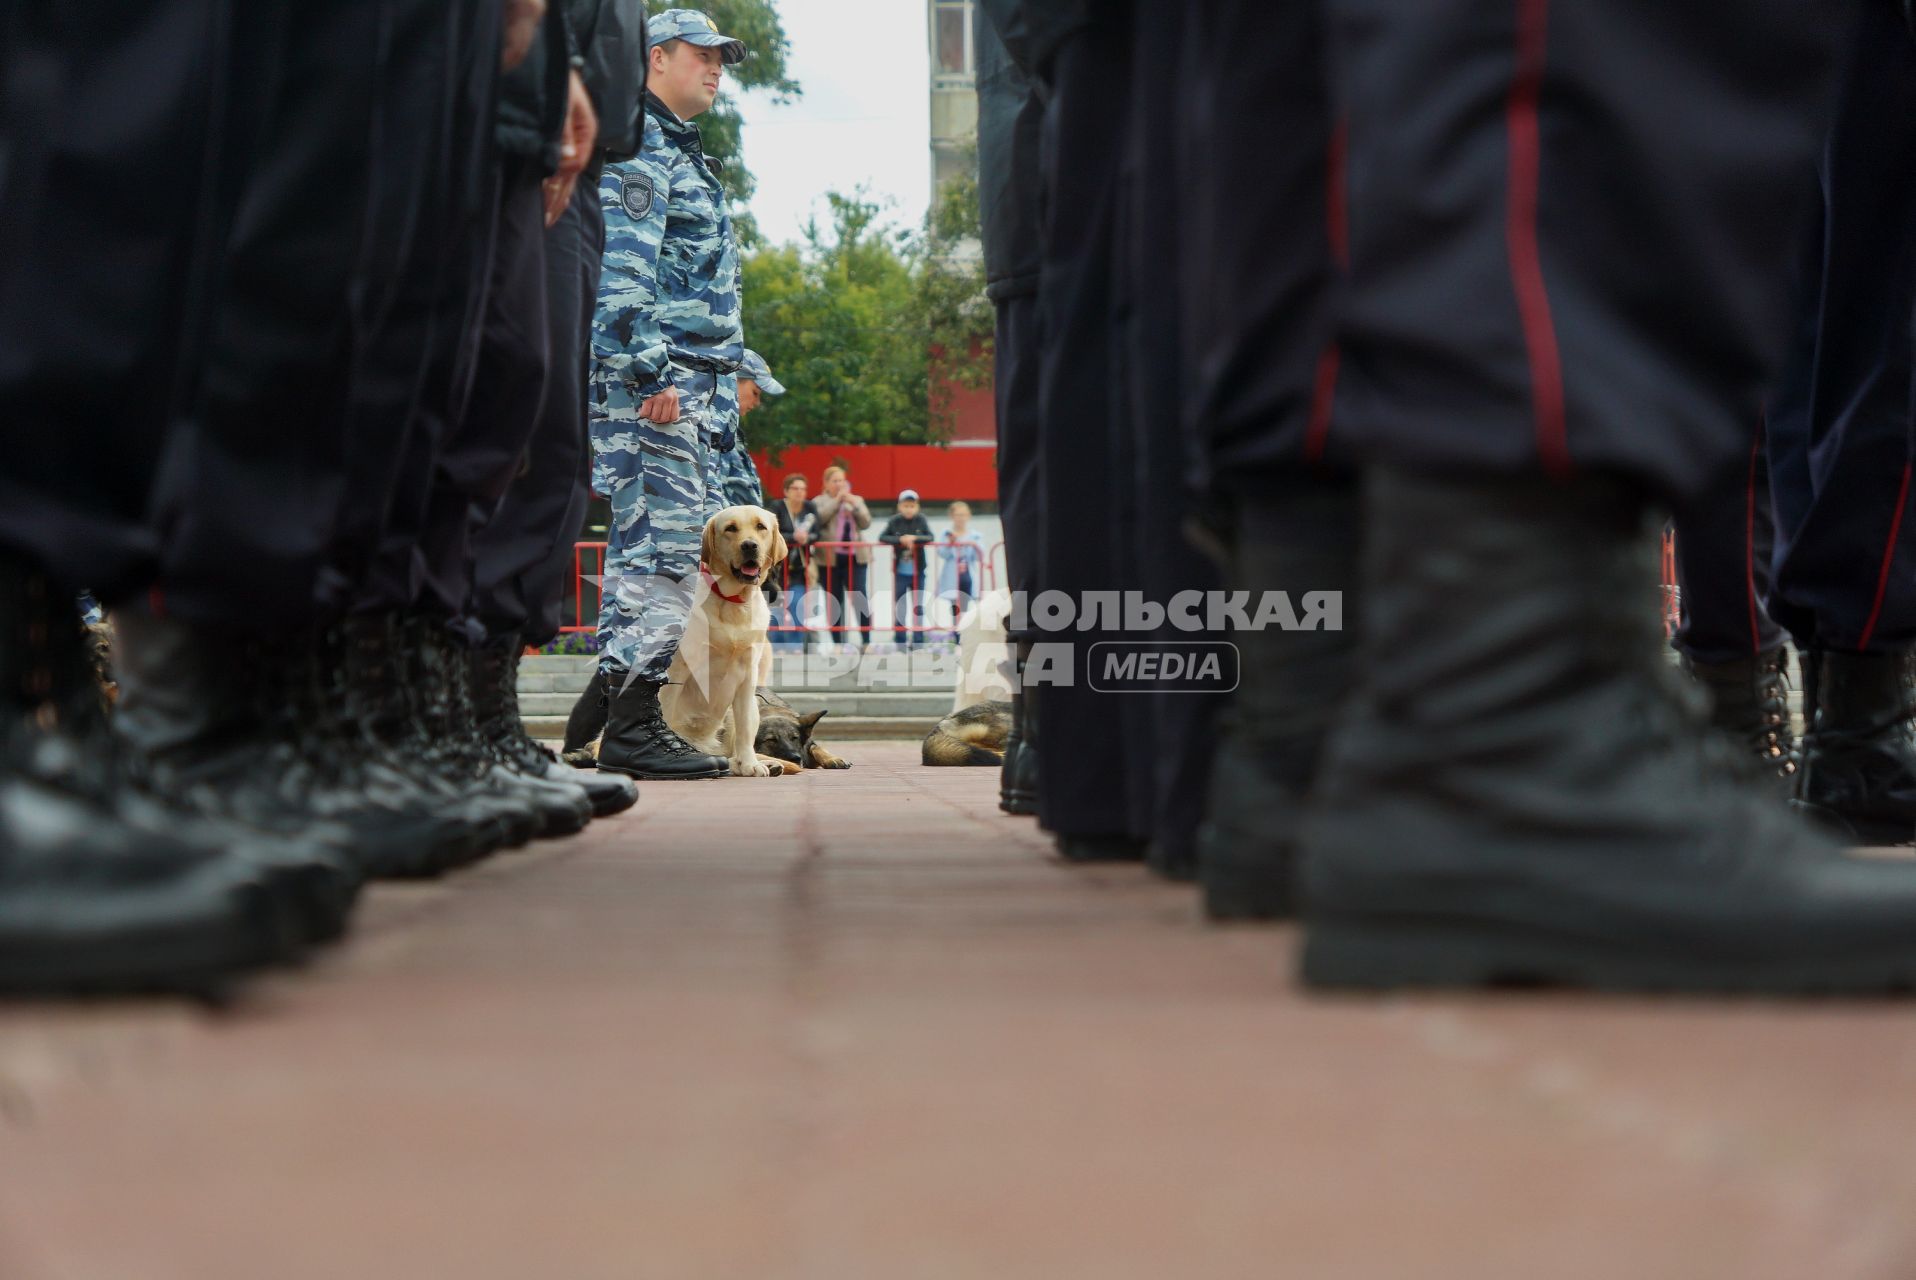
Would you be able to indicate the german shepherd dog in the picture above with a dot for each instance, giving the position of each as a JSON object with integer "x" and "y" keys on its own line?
{"x": 784, "y": 734}
{"x": 975, "y": 735}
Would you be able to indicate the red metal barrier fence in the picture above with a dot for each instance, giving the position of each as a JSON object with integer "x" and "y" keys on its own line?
{"x": 836, "y": 578}
{"x": 985, "y": 578}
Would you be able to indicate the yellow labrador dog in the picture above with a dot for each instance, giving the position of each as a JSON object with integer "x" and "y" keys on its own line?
{"x": 713, "y": 682}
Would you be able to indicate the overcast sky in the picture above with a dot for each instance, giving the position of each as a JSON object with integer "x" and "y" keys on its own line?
{"x": 865, "y": 116}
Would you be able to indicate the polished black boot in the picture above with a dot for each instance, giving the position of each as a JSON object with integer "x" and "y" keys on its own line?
{"x": 1300, "y": 535}
{"x": 1858, "y": 772}
{"x": 1018, "y": 778}
{"x": 91, "y": 902}
{"x": 495, "y": 686}
{"x": 637, "y": 741}
{"x": 1524, "y": 789}
{"x": 1749, "y": 704}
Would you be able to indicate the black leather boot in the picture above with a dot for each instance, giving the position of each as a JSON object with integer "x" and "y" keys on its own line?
{"x": 1524, "y": 788}
{"x": 495, "y": 686}
{"x": 91, "y": 902}
{"x": 637, "y": 742}
{"x": 455, "y": 732}
{"x": 1859, "y": 754}
{"x": 1749, "y": 703}
{"x": 1018, "y": 779}
{"x": 1300, "y": 535}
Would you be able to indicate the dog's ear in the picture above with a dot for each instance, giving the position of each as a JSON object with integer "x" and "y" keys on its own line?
{"x": 778, "y": 550}
{"x": 808, "y": 722}
{"x": 708, "y": 545}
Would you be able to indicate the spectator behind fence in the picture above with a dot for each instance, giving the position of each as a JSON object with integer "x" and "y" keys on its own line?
{"x": 843, "y": 517}
{"x": 961, "y": 560}
{"x": 798, "y": 525}
{"x": 906, "y": 534}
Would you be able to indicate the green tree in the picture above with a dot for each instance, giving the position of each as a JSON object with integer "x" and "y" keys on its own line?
{"x": 870, "y": 325}
{"x": 840, "y": 319}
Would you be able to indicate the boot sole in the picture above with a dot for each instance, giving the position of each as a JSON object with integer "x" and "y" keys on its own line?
{"x": 1341, "y": 953}
{"x": 663, "y": 777}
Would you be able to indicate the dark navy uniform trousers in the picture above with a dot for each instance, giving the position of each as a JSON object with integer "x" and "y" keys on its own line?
{"x": 1836, "y": 445}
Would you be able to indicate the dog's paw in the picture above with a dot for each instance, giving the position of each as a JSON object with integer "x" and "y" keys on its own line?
{"x": 833, "y": 762}
{"x": 750, "y": 769}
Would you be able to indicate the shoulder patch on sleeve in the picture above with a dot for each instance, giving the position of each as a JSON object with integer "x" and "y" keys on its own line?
{"x": 636, "y": 193}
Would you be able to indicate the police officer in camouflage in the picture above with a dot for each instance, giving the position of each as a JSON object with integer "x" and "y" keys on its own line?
{"x": 738, "y": 474}
{"x": 666, "y": 347}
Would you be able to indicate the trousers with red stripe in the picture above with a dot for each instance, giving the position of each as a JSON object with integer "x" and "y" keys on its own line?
{"x": 1570, "y": 227}
{"x": 1834, "y": 455}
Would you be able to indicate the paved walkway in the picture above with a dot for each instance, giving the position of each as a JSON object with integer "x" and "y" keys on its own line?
{"x": 857, "y": 1027}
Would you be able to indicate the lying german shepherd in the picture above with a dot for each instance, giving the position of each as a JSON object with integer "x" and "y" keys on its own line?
{"x": 973, "y": 736}
{"x": 783, "y": 734}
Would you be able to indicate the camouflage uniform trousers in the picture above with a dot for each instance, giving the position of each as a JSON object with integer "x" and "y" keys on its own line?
{"x": 738, "y": 474}
{"x": 664, "y": 483}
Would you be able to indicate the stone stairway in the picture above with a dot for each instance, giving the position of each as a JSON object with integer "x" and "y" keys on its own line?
{"x": 893, "y": 695}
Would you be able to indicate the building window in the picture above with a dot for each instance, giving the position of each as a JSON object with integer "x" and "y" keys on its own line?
{"x": 951, "y": 37}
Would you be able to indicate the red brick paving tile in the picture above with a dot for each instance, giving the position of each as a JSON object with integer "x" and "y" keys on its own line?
{"x": 860, "y": 1025}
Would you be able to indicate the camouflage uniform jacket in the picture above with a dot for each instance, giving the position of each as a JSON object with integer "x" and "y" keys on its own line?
{"x": 669, "y": 290}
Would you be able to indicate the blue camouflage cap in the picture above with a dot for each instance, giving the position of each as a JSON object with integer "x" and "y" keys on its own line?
{"x": 692, "y": 27}
{"x": 753, "y": 366}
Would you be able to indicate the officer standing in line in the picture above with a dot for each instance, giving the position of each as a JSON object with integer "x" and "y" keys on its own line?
{"x": 1515, "y": 791}
{"x": 1725, "y": 545}
{"x": 738, "y": 473}
{"x": 1010, "y": 113}
{"x": 1277, "y": 491}
{"x": 1840, "y": 580}
{"x": 253, "y": 134}
{"x": 524, "y": 555}
{"x": 667, "y": 342}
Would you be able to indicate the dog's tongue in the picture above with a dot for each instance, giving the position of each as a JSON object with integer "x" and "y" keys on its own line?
{"x": 748, "y": 571}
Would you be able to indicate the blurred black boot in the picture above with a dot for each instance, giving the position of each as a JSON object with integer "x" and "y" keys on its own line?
{"x": 495, "y": 687}
{"x": 1749, "y": 703}
{"x": 445, "y": 665}
{"x": 222, "y": 725}
{"x": 89, "y": 901}
{"x": 1018, "y": 782}
{"x": 1525, "y": 790}
{"x": 1299, "y": 535}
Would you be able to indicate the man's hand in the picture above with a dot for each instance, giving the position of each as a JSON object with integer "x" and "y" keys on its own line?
{"x": 662, "y": 408}
{"x": 575, "y": 148}
{"x": 908, "y": 540}
{"x": 522, "y": 23}
{"x": 801, "y": 537}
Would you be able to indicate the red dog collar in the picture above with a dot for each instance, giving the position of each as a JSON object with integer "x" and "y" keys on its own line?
{"x": 712, "y": 582}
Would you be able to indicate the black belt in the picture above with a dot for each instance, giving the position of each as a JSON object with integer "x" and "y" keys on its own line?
{"x": 699, "y": 364}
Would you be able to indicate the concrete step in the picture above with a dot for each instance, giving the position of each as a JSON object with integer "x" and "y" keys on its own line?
{"x": 551, "y": 729}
